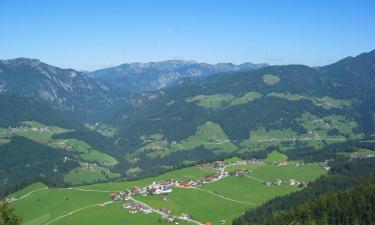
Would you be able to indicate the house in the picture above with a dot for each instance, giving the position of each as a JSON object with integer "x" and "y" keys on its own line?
{"x": 136, "y": 191}
{"x": 165, "y": 211}
{"x": 193, "y": 183}
{"x": 127, "y": 205}
{"x": 183, "y": 184}
{"x": 280, "y": 163}
{"x": 115, "y": 197}
{"x": 240, "y": 172}
{"x": 268, "y": 183}
{"x": 222, "y": 222}
{"x": 278, "y": 182}
{"x": 294, "y": 182}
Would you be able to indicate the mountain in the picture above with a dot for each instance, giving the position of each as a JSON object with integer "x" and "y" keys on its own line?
{"x": 287, "y": 107}
{"x": 137, "y": 77}
{"x": 38, "y": 143}
{"x": 67, "y": 90}
{"x": 15, "y": 110}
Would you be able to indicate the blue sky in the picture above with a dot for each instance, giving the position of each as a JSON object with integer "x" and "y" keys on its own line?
{"x": 89, "y": 34}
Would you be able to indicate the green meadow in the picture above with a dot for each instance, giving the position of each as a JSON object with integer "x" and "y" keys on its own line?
{"x": 223, "y": 100}
{"x": 221, "y": 200}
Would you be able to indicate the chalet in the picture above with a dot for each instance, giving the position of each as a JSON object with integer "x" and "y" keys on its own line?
{"x": 115, "y": 197}
{"x": 183, "y": 184}
{"x": 136, "y": 207}
{"x": 294, "y": 182}
{"x": 135, "y": 191}
{"x": 278, "y": 182}
{"x": 165, "y": 211}
{"x": 184, "y": 216}
{"x": 240, "y": 172}
{"x": 218, "y": 164}
{"x": 193, "y": 183}
{"x": 268, "y": 183}
{"x": 127, "y": 205}
{"x": 213, "y": 177}
{"x": 280, "y": 163}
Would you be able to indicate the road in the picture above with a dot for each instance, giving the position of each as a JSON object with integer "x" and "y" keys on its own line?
{"x": 28, "y": 194}
{"x": 78, "y": 210}
{"x": 164, "y": 214}
{"x": 229, "y": 199}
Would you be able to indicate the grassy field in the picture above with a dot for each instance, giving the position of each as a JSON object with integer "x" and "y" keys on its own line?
{"x": 83, "y": 152}
{"x": 325, "y": 102}
{"x": 210, "y": 135}
{"x": 44, "y": 134}
{"x": 276, "y": 157}
{"x": 84, "y": 175}
{"x": 270, "y": 79}
{"x": 222, "y": 200}
{"x": 200, "y": 205}
{"x": 330, "y": 129}
{"x": 223, "y": 100}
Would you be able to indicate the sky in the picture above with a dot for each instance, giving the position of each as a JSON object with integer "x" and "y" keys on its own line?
{"x": 90, "y": 34}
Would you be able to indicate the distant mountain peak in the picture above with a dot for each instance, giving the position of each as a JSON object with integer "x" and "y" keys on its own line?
{"x": 21, "y": 60}
{"x": 137, "y": 77}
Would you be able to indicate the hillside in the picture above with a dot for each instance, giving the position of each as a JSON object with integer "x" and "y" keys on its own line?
{"x": 138, "y": 77}
{"x": 66, "y": 90}
{"x": 343, "y": 197}
{"x": 38, "y": 143}
{"x": 289, "y": 107}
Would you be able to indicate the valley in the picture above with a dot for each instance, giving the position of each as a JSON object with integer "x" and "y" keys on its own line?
{"x": 237, "y": 185}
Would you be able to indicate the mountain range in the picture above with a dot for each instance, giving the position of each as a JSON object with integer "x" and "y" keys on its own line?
{"x": 138, "y": 77}
{"x": 66, "y": 90}
{"x": 143, "y": 129}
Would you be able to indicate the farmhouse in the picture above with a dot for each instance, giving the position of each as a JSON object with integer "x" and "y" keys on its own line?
{"x": 183, "y": 184}
{"x": 136, "y": 207}
{"x": 280, "y": 163}
{"x": 240, "y": 172}
{"x": 135, "y": 191}
{"x": 165, "y": 211}
{"x": 294, "y": 182}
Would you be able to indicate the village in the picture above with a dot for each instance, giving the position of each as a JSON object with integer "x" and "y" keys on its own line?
{"x": 164, "y": 187}
{"x": 10, "y": 131}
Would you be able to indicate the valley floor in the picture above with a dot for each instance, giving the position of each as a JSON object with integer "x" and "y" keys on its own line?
{"x": 224, "y": 192}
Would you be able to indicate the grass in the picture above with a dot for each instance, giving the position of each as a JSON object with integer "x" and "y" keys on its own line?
{"x": 276, "y": 157}
{"x": 46, "y": 205}
{"x": 85, "y": 152}
{"x": 219, "y": 101}
{"x": 185, "y": 174}
{"x": 43, "y": 206}
{"x": 210, "y": 135}
{"x": 200, "y": 205}
{"x": 28, "y": 189}
{"x": 112, "y": 214}
{"x": 325, "y": 102}
{"x": 83, "y": 175}
{"x": 270, "y": 79}
{"x": 316, "y": 135}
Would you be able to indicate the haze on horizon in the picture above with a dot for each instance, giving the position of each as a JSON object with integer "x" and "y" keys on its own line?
{"x": 89, "y": 35}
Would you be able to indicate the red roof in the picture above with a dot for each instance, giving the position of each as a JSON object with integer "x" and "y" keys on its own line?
{"x": 184, "y": 184}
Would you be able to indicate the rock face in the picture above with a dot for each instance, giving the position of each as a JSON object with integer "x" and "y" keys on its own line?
{"x": 67, "y": 90}
{"x": 137, "y": 77}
